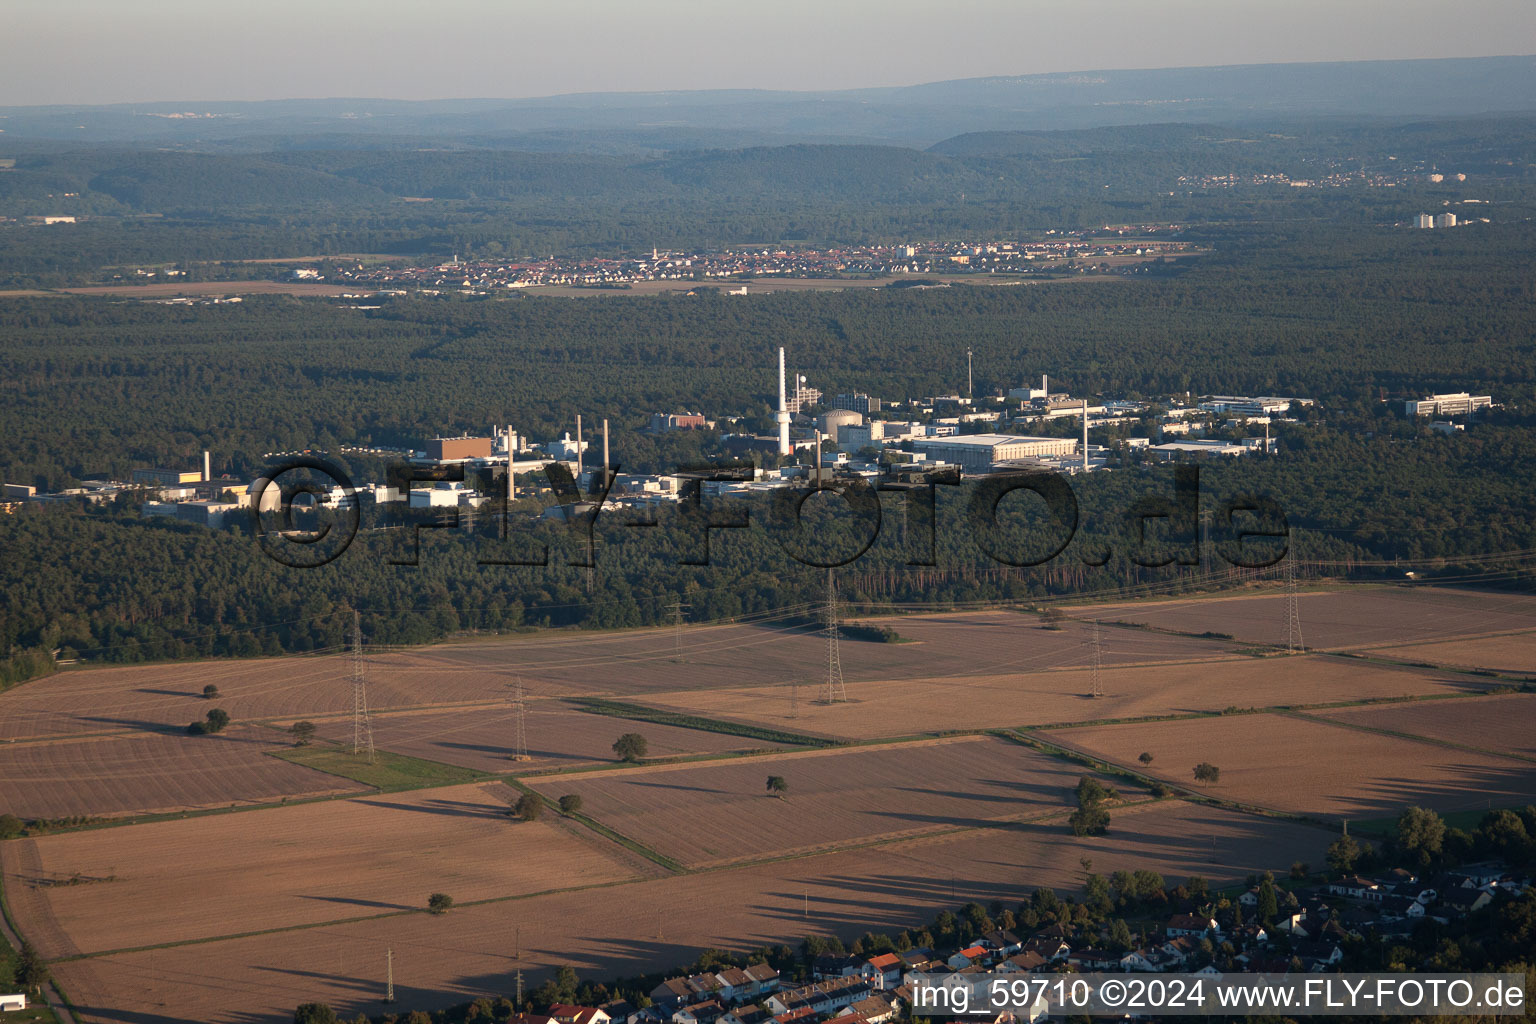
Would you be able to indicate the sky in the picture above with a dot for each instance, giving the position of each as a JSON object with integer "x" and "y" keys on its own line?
{"x": 127, "y": 51}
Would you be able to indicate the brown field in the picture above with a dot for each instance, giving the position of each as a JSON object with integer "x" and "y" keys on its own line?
{"x": 558, "y": 737}
{"x": 1506, "y": 723}
{"x": 1514, "y": 653}
{"x": 714, "y": 814}
{"x": 211, "y": 876}
{"x": 166, "y": 289}
{"x": 1345, "y": 619}
{"x": 1311, "y": 767}
{"x": 902, "y": 707}
{"x": 151, "y": 773}
{"x": 613, "y": 931}
{"x": 137, "y": 697}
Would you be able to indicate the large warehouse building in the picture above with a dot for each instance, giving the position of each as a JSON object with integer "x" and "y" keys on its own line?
{"x": 978, "y": 451}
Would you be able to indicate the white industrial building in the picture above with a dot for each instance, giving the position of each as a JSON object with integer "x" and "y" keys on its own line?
{"x": 975, "y": 451}
{"x": 1459, "y": 403}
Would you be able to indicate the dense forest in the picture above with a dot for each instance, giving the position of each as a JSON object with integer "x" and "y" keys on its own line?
{"x": 97, "y": 387}
{"x": 1312, "y": 293}
{"x": 199, "y": 209}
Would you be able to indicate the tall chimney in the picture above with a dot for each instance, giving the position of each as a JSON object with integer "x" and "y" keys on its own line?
{"x": 605, "y": 451}
{"x": 207, "y": 474}
{"x": 578, "y": 450}
{"x": 511, "y": 457}
{"x": 1085, "y": 435}
{"x": 1045, "y": 385}
{"x": 783, "y": 409}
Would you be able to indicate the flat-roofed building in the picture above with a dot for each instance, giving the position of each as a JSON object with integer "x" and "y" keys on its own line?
{"x": 212, "y": 514}
{"x": 1459, "y": 403}
{"x": 167, "y": 477}
{"x": 976, "y": 451}
{"x": 458, "y": 449}
{"x": 857, "y": 402}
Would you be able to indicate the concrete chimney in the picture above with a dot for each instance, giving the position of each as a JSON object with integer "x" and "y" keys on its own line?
{"x": 1085, "y": 435}
{"x": 783, "y": 410}
{"x": 578, "y": 449}
{"x": 1045, "y": 385}
{"x": 605, "y": 451}
{"x": 207, "y": 473}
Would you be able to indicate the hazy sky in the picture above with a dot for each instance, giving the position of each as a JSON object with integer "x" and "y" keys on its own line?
{"x": 105, "y": 51}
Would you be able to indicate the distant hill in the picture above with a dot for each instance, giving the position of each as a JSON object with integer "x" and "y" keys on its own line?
{"x": 919, "y": 116}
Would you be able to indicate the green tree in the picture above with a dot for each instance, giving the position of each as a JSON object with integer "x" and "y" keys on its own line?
{"x": 1089, "y": 821}
{"x": 210, "y": 692}
{"x": 1207, "y": 772}
{"x": 30, "y": 971}
{"x": 570, "y": 803}
{"x": 439, "y": 903}
{"x": 302, "y": 733}
{"x": 528, "y": 807}
{"x": 630, "y": 747}
{"x": 1342, "y": 854}
{"x": 1300, "y": 869}
{"x": 777, "y": 786}
{"x": 1420, "y": 834}
{"x": 1269, "y": 905}
{"x": 314, "y": 1013}
{"x": 1145, "y": 758}
{"x": 11, "y": 826}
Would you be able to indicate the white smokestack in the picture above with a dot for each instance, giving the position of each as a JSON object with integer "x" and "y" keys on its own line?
{"x": 605, "y": 450}
{"x": 783, "y": 410}
{"x": 511, "y": 458}
{"x": 1085, "y": 435}
{"x": 207, "y": 473}
{"x": 578, "y": 448}
{"x": 1045, "y": 385}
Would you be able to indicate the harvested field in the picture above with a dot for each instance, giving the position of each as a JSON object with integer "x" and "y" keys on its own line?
{"x": 1505, "y": 724}
{"x": 558, "y": 737}
{"x": 166, "y": 289}
{"x": 1311, "y": 767}
{"x": 150, "y": 773}
{"x": 901, "y": 707}
{"x": 1349, "y": 618}
{"x": 127, "y": 698}
{"x": 1513, "y": 653}
{"x": 713, "y": 814}
{"x": 181, "y": 880}
{"x": 613, "y": 931}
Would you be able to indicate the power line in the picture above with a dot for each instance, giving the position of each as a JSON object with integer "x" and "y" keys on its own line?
{"x": 520, "y": 723}
{"x": 835, "y": 693}
{"x": 362, "y": 727}
{"x": 1098, "y": 689}
{"x": 1293, "y": 643}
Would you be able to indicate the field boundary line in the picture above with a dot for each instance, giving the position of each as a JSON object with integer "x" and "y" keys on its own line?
{"x": 612, "y": 835}
{"x": 1083, "y": 757}
{"x": 1407, "y": 736}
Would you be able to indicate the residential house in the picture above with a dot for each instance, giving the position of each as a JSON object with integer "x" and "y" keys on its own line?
{"x": 1357, "y": 888}
{"x": 746, "y": 1015}
{"x": 1022, "y": 963}
{"x": 1191, "y": 924}
{"x": 883, "y": 971}
{"x": 970, "y": 956}
{"x": 567, "y": 1014}
{"x": 706, "y": 1012}
{"x": 835, "y": 965}
{"x": 874, "y": 1010}
{"x": 1001, "y": 941}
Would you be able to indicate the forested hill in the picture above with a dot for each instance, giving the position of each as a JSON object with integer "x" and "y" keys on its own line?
{"x": 990, "y": 167}
{"x": 916, "y": 115}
